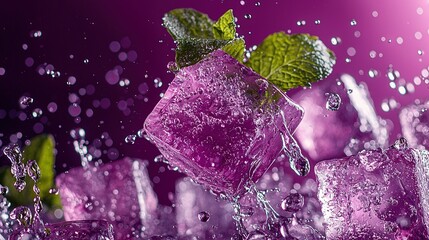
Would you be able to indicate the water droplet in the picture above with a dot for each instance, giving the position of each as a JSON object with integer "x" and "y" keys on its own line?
{"x": 242, "y": 3}
{"x": 317, "y": 22}
{"x": 140, "y": 133}
{"x": 349, "y": 91}
{"x": 420, "y": 52}
{"x": 86, "y": 61}
{"x": 77, "y": 133}
{"x": 25, "y": 101}
{"x": 53, "y": 191}
{"x": 353, "y": 22}
{"x": 33, "y": 170}
{"x": 335, "y": 41}
{"x": 401, "y": 144}
{"x": 130, "y": 139}
{"x": 204, "y": 216}
{"x": 172, "y": 66}
{"x": 247, "y": 16}
{"x": 333, "y": 102}
{"x": 22, "y": 215}
{"x": 293, "y": 202}
{"x": 37, "y": 112}
{"x": 3, "y": 190}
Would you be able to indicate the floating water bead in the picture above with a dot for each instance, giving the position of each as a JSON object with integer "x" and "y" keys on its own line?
{"x": 333, "y": 102}
{"x": 415, "y": 124}
{"x": 293, "y": 202}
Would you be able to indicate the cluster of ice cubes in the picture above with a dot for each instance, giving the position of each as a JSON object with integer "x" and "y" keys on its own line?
{"x": 231, "y": 132}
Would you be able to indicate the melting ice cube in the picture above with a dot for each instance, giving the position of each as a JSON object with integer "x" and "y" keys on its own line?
{"x": 119, "y": 192}
{"x": 376, "y": 194}
{"x": 353, "y": 125}
{"x": 223, "y": 125}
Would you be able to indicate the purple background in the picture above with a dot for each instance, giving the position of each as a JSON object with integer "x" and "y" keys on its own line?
{"x": 85, "y": 29}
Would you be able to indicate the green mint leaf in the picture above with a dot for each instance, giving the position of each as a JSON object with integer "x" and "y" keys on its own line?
{"x": 290, "y": 61}
{"x": 235, "y": 48}
{"x": 188, "y": 23}
{"x": 196, "y": 35}
{"x": 224, "y": 28}
{"x": 41, "y": 149}
{"x": 191, "y": 51}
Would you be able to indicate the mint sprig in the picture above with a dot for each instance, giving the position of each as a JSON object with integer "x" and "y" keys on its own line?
{"x": 196, "y": 35}
{"x": 290, "y": 61}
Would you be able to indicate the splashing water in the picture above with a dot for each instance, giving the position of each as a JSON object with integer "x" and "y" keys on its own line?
{"x": 13, "y": 152}
{"x": 80, "y": 147}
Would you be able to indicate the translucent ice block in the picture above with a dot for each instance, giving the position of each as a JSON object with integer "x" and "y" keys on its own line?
{"x": 223, "y": 125}
{"x": 119, "y": 192}
{"x": 73, "y": 230}
{"x": 376, "y": 194}
{"x": 415, "y": 124}
{"x": 325, "y": 133}
{"x": 192, "y": 200}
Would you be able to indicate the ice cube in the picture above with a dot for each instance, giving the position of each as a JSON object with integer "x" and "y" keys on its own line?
{"x": 191, "y": 202}
{"x": 415, "y": 124}
{"x": 376, "y": 194}
{"x": 73, "y": 230}
{"x": 223, "y": 125}
{"x": 327, "y": 132}
{"x": 119, "y": 192}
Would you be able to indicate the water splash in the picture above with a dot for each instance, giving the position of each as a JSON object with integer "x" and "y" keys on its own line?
{"x": 80, "y": 147}
{"x": 13, "y": 152}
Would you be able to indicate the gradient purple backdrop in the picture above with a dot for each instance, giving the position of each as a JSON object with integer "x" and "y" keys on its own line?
{"x": 85, "y": 29}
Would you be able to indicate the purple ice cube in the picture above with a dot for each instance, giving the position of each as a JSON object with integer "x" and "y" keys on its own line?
{"x": 119, "y": 192}
{"x": 325, "y": 132}
{"x": 192, "y": 201}
{"x": 376, "y": 194}
{"x": 223, "y": 125}
{"x": 73, "y": 230}
{"x": 415, "y": 124}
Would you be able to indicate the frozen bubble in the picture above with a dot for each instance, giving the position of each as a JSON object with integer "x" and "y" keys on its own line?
{"x": 114, "y": 46}
{"x": 29, "y": 62}
{"x": 71, "y": 80}
{"x": 333, "y": 102}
